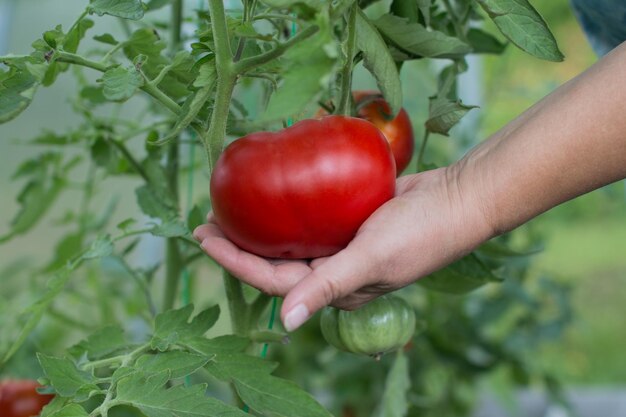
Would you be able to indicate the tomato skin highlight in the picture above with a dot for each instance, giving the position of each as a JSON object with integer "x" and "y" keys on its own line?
{"x": 398, "y": 131}
{"x": 19, "y": 398}
{"x": 304, "y": 191}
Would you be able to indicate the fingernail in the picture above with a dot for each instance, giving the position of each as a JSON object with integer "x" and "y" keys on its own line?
{"x": 296, "y": 317}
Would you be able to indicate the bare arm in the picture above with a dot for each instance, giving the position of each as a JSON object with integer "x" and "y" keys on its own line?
{"x": 570, "y": 143}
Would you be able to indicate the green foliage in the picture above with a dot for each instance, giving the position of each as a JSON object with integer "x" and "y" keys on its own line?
{"x": 150, "y": 96}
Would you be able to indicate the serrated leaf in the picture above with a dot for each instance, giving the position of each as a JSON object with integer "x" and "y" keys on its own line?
{"x": 415, "y": 39}
{"x": 173, "y": 326}
{"x": 155, "y": 198}
{"x": 65, "y": 377}
{"x": 277, "y": 397}
{"x": 178, "y": 363}
{"x": 67, "y": 248}
{"x": 378, "y": 61}
{"x": 119, "y": 83}
{"x": 70, "y": 410}
{"x": 104, "y": 342}
{"x": 17, "y": 89}
{"x": 460, "y": 277}
{"x": 444, "y": 114}
{"x": 523, "y": 25}
{"x": 229, "y": 366}
{"x": 394, "y": 402}
{"x": 149, "y": 394}
{"x": 171, "y": 228}
{"x": 127, "y": 9}
{"x": 101, "y": 247}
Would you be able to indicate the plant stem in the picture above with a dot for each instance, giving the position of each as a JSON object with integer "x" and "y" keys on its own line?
{"x": 237, "y": 305}
{"x": 226, "y": 79}
{"x": 173, "y": 259}
{"x": 253, "y": 62}
{"x": 420, "y": 155}
{"x": 343, "y": 106}
{"x": 130, "y": 158}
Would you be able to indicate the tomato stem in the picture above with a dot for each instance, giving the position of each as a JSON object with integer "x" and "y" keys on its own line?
{"x": 344, "y": 105}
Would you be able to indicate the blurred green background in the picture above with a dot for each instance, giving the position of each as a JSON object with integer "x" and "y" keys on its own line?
{"x": 585, "y": 238}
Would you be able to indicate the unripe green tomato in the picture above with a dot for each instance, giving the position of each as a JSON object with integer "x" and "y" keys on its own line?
{"x": 382, "y": 325}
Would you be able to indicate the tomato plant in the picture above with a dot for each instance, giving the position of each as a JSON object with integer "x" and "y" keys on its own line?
{"x": 154, "y": 108}
{"x": 382, "y": 325}
{"x": 19, "y": 398}
{"x": 302, "y": 192}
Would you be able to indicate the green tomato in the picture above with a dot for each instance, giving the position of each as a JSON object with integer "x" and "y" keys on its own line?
{"x": 382, "y": 325}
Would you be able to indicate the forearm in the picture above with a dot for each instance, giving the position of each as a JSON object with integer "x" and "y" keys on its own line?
{"x": 570, "y": 143}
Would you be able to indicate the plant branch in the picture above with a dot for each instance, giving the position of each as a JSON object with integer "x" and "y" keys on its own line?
{"x": 130, "y": 158}
{"x": 237, "y": 305}
{"x": 343, "y": 106}
{"x": 253, "y": 62}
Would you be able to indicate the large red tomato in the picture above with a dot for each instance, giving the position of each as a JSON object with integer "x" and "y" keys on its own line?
{"x": 304, "y": 191}
{"x": 19, "y": 398}
{"x": 398, "y": 130}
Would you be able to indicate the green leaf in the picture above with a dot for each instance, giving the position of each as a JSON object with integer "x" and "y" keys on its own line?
{"x": 65, "y": 377}
{"x": 220, "y": 344}
{"x": 65, "y": 250}
{"x": 178, "y": 363}
{"x": 32, "y": 314}
{"x": 127, "y": 9}
{"x": 378, "y": 61}
{"x": 102, "y": 343}
{"x": 70, "y": 410}
{"x": 119, "y": 83}
{"x": 394, "y": 402}
{"x": 106, "y": 38}
{"x": 277, "y": 397}
{"x": 523, "y": 25}
{"x": 444, "y": 114}
{"x": 424, "y": 8}
{"x": 157, "y": 4}
{"x": 152, "y": 397}
{"x": 460, "y": 277}
{"x": 415, "y": 39}
{"x": 195, "y": 218}
{"x": 173, "y": 326}
{"x": 171, "y": 228}
{"x": 155, "y": 198}
{"x": 39, "y": 193}
{"x": 229, "y": 366}
{"x": 74, "y": 36}
{"x": 484, "y": 43}
{"x": 17, "y": 89}
{"x": 405, "y": 8}
{"x": 101, "y": 247}
{"x": 308, "y": 66}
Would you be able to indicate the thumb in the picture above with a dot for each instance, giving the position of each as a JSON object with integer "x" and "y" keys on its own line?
{"x": 340, "y": 275}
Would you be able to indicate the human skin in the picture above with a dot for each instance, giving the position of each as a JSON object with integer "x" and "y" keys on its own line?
{"x": 571, "y": 142}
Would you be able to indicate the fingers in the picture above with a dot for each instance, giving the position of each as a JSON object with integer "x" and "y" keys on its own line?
{"x": 333, "y": 278}
{"x": 273, "y": 277}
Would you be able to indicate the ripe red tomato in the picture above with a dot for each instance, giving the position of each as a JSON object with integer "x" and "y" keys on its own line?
{"x": 304, "y": 191}
{"x": 398, "y": 130}
{"x": 19, "y": 398}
